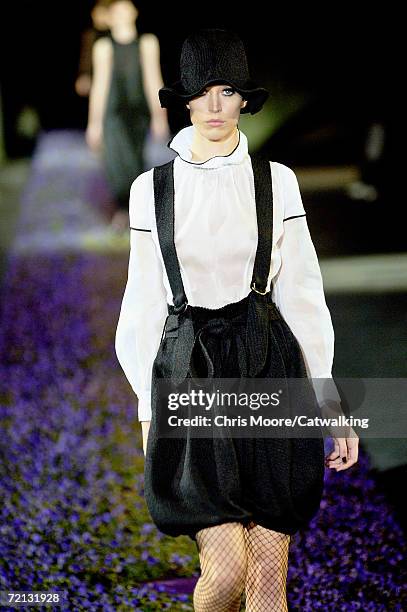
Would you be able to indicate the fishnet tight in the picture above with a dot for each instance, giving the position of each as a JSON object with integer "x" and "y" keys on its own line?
{"x": 236, "y": 559}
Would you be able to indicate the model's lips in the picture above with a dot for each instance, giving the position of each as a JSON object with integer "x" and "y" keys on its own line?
{"x": 215, "y": 122}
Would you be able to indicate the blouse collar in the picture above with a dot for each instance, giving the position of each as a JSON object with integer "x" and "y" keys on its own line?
{"x": 182, "y": 141}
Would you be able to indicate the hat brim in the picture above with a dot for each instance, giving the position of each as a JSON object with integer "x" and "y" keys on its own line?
{"x": 174, "y": 96}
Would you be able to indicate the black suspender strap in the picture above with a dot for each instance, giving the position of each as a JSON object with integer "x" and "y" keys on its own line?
{"x": 258, "y": 313}
{"x": 164, "y": 211}
{"x": 264, "y": 208}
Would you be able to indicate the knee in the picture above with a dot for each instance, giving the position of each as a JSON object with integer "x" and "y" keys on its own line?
{"x": 228, "y": 583}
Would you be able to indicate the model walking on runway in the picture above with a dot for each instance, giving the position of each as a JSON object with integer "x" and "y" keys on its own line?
{"x": 224, "y": 282}
{"x": 123, "y": 103}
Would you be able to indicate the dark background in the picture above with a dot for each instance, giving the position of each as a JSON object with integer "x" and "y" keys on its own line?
{"x": 343, "y": 60}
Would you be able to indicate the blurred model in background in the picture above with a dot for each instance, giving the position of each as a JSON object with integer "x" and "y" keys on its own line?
{"x": 124, "y": 103}
{"x": 98, "y": 29}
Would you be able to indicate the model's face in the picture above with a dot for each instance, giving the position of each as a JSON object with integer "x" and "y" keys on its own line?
{"x": 122, "y": 12}
{"x": 217, "y": 102}
{"x": 100, "y": 17}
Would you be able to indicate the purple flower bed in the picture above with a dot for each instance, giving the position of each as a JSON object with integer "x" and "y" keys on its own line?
{"x": 353, "y": 555}
{"x": 73, "y": 516}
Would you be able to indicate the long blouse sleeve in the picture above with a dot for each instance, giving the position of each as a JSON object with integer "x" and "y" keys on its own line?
{"x": 144, "y": 305}
{"x": 299, "y": 294}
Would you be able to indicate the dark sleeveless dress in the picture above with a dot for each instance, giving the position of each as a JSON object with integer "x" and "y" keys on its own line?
{"x": 191, "y": 483}
{"x": 126, "y": 121}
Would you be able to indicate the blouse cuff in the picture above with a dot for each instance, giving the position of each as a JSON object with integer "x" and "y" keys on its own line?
{"x": 144, "y": 405}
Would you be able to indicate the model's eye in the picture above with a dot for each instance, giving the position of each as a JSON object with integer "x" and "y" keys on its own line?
{"x": 227, "y": 89}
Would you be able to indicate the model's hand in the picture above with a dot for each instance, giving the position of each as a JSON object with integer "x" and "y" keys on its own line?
{"x": 159, "y": 127}
{"x": 83, "y": 84}
{"x": 343, "y": 447}
{"x": 94, "y": 137}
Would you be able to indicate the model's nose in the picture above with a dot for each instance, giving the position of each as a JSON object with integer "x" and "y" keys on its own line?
{"x": 215, "y": 104}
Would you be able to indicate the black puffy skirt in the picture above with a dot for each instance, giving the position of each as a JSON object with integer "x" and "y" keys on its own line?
{"x": 191, "y": 483}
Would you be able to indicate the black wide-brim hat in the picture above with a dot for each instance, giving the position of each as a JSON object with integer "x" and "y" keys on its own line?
{"x": 211, "y": 56}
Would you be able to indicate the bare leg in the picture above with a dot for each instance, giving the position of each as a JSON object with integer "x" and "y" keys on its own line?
{"x": 223, "y": 562}
{"x": 267, "y": 566}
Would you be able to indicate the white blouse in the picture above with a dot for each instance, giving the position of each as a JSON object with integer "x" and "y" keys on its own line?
{"x": 215, "y": 233}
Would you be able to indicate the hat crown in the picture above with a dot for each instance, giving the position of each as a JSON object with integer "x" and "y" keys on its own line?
{"x": 213, "y": 54}
{"x": 210, "y": 56}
